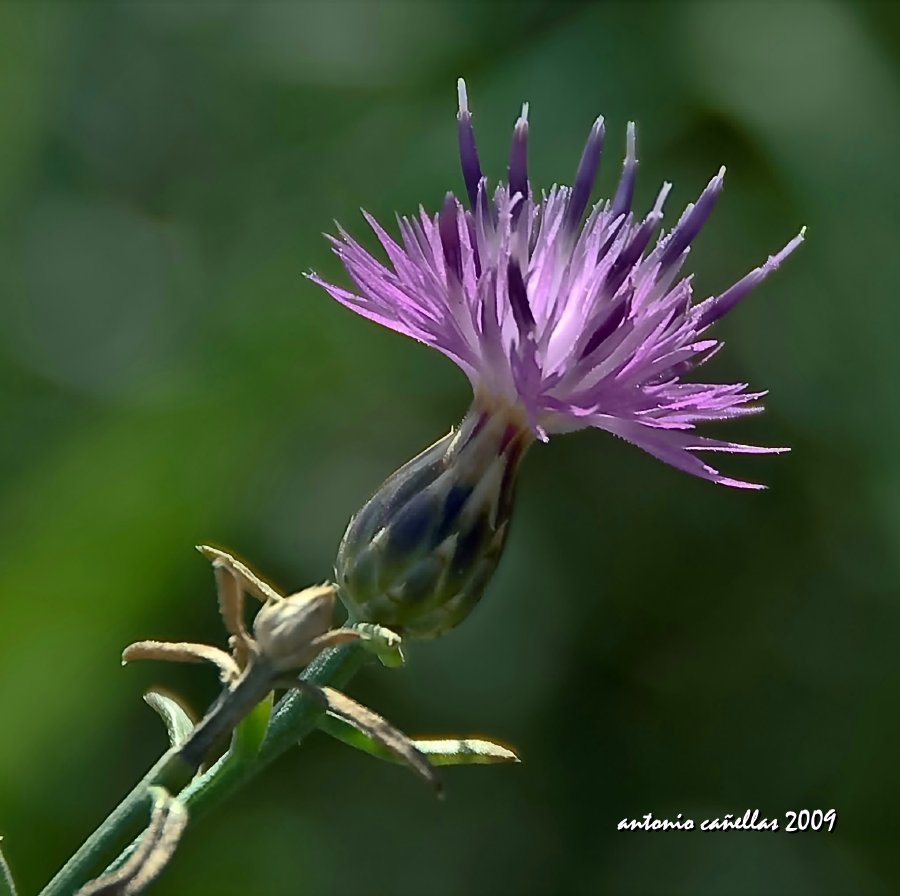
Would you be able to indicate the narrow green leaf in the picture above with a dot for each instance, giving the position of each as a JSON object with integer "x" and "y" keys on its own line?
{"x": 176, "y": 718}
{"x": 250, "y": 733}
{"x": 464, "y": 751}
{"x": 7, "y": 887}
{"x": 379, "y": 730}
{"x": 440, "y": 751}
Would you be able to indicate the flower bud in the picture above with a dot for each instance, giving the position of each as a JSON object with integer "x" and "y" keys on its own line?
{"x": 419, "y": 554}
{"x": 285, "y": 629}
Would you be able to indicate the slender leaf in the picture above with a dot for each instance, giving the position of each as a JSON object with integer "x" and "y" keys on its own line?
{"x": 440, "y": 751}
{"x": 251, "y": 732}
{"x": 7, "y": 886}
{"x": 377, "y": 728}
{"x": 176, "y": 718}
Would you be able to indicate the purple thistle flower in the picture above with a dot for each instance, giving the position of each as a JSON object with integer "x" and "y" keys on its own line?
{"x": 563, "y": 323}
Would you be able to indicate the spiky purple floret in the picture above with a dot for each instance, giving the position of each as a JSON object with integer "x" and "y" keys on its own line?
{"x": 573, "y": 321}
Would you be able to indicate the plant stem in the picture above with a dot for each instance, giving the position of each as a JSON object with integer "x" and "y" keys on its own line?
{"x": 7, "y": 886}
{"x": 169, "y": 772}
{"x": 292, "y": 719}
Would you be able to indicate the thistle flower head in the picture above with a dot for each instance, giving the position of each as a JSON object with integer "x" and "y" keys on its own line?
{"x": 573, "y": 323}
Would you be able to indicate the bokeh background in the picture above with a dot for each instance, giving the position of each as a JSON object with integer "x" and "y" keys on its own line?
{"x": 651, "y": 643}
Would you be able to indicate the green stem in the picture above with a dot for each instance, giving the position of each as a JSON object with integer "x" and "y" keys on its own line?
{"x": 7, "y": 886}
{"x": 293, "y": 718}
{"x": 169, "y": 772}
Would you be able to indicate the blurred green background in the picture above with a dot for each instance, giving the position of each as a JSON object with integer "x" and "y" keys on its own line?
{"x": 651, "y": 643}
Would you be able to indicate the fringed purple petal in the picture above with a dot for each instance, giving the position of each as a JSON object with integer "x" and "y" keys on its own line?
{"x": 576, "y": 323}
{"x": 621, "y": 204}
{"x": 518, "y": 157}
{"x": 468, "y": 152}
{"x": 448, "y": 227}
{"x": 585, "y": 176}
{"x": 691, "y": 222}
{"x": 675, "y": 449}
{"x": 708, "y": 312}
